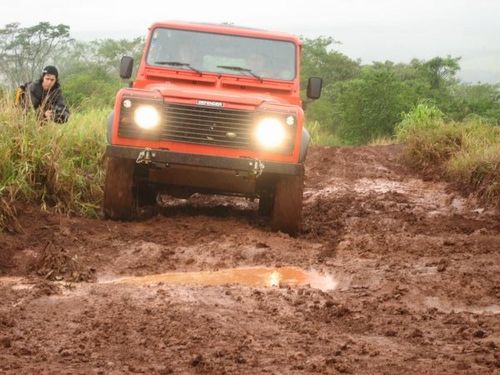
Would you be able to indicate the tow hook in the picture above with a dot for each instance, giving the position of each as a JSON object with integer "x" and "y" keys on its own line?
{"x": 145, "y": 156}
{"x": 258, "y": 167}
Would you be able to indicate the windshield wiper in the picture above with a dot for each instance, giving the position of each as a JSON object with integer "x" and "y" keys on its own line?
{"x": 178, "y": 63}
{"x": 240, "y": 69}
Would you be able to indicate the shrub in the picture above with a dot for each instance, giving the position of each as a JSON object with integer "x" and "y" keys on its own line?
{"x": 423, "y": 117}
{"x": 465, "y": 153}
{"x": 90, "y": 87}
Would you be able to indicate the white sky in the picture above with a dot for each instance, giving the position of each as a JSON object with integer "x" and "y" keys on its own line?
{"x": 372, "y": 30}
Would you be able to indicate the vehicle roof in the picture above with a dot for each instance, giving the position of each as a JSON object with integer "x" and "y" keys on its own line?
{"x": 227, "y": 29}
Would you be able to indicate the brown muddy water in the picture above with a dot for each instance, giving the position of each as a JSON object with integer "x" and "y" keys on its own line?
{"x": 253, "y": 276}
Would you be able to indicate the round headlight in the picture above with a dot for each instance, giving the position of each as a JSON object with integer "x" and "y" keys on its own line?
{"x": 270, "y": 133}
{"x": 147, "y": 116}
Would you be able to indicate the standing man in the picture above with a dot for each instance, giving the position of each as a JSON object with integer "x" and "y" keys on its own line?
{"x": 46, "y": 97}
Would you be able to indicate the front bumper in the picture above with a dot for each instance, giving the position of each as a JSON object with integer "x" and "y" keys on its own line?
{"x": 163, "y": 157}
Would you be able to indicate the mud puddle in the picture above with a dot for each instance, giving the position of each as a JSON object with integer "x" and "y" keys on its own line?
{"x": 6, "y": 280}
{"x": 254, "y": 276}
{"x": 447, "y": 307}
{"x": 260, "y": 277}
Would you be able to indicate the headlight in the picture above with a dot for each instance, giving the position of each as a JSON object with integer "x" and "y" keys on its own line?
{"x": 270, "y": 133}
{"x": 146, "y": 116}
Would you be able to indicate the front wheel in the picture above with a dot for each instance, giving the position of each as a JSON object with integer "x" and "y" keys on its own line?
{"x": 119, "y": 198}
{"x": 287, "y": 208}
{"x": 266, "y": 202}
{"x": 126, "y": 189}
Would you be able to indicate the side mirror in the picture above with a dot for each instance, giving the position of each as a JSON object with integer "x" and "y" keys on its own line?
{"x": 126, "y": 66}
{"x": 314, "y": 86}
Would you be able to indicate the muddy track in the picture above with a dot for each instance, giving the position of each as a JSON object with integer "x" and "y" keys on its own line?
{"x": 391, "y": 274}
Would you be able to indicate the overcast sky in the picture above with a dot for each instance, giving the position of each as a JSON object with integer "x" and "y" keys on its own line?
{"x": 371, "y": 30}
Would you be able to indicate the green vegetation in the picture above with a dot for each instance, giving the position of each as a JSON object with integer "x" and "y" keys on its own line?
{"x": 55, "y": 165}
{"x": 361, "y": 103}
{"x": 368, "y": 107}
{"x": 91, "y": 87}
{"x": 466, "y": 153}
{"x": 321, "y": 136}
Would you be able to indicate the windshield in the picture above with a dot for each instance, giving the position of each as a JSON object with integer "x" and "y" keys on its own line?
{"x": 219, "y": 53}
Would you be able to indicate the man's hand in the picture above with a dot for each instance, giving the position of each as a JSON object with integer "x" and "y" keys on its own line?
{"x": 49, "y": 115}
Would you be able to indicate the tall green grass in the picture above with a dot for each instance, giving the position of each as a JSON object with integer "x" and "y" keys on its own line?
{"x": 56, "y": 165}
{"x": 325, "y": 137}
{"x": 322, "y": 137}
{"x": 382, "y": 141}
{"x": 466, "y": 153}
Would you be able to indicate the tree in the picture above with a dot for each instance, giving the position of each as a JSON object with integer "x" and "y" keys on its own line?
{"x": 25, "y": 50}
{"x": 480, "y": 99}
{"x": 110, "y": 51}
{"x": 370, "y": 106}
{"x": 320, "y": 60}
{"x": 441, "y": 71}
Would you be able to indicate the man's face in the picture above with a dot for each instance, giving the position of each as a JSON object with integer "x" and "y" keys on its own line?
{"x": 49, "y": 80}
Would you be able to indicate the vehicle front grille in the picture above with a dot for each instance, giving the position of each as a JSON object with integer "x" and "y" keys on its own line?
{"x": 193, "y": 124}
{"x": 204, "y": 125}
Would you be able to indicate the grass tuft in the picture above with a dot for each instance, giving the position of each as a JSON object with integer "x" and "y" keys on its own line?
{"x": 322, "y": 137}
{"x": 382, "y": 141}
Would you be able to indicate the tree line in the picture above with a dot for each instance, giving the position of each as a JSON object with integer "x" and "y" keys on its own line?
{"x": 360, "y": 102}
{"x": 363, "y": 102}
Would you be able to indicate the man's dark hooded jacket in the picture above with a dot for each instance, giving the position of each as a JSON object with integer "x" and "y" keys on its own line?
{"x": 48, "y": 100}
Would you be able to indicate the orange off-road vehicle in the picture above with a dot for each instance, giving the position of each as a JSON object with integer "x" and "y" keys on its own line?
{"x": 213, "y": 109}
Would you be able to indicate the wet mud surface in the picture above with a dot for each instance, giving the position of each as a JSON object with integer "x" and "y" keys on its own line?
{"x": 390, "y": 275}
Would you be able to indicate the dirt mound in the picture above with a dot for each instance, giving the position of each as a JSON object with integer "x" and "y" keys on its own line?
{"x": 415, "y": 269}
{"x": 56, "y": 264}
{"x": 8, "y": 217}
{"x": 6, "y": 260}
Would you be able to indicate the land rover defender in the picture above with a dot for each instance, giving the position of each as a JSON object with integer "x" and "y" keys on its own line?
{"x": 213, "y": 109}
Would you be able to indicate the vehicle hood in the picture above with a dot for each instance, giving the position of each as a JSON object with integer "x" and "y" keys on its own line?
{"x": 253, "y": 98}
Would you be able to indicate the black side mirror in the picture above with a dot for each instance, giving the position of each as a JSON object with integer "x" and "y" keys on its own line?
{"x": 314, "y": 86}
{"x": 126, "y": 66}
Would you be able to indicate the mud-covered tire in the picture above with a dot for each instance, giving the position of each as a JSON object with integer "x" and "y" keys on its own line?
{"x": 120, "y": 201}
{"x": 145, "y": 192}
{"x": 146, "y": 195}
{"x": 287, "y": 208}
{"x": 266, "y": 202}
